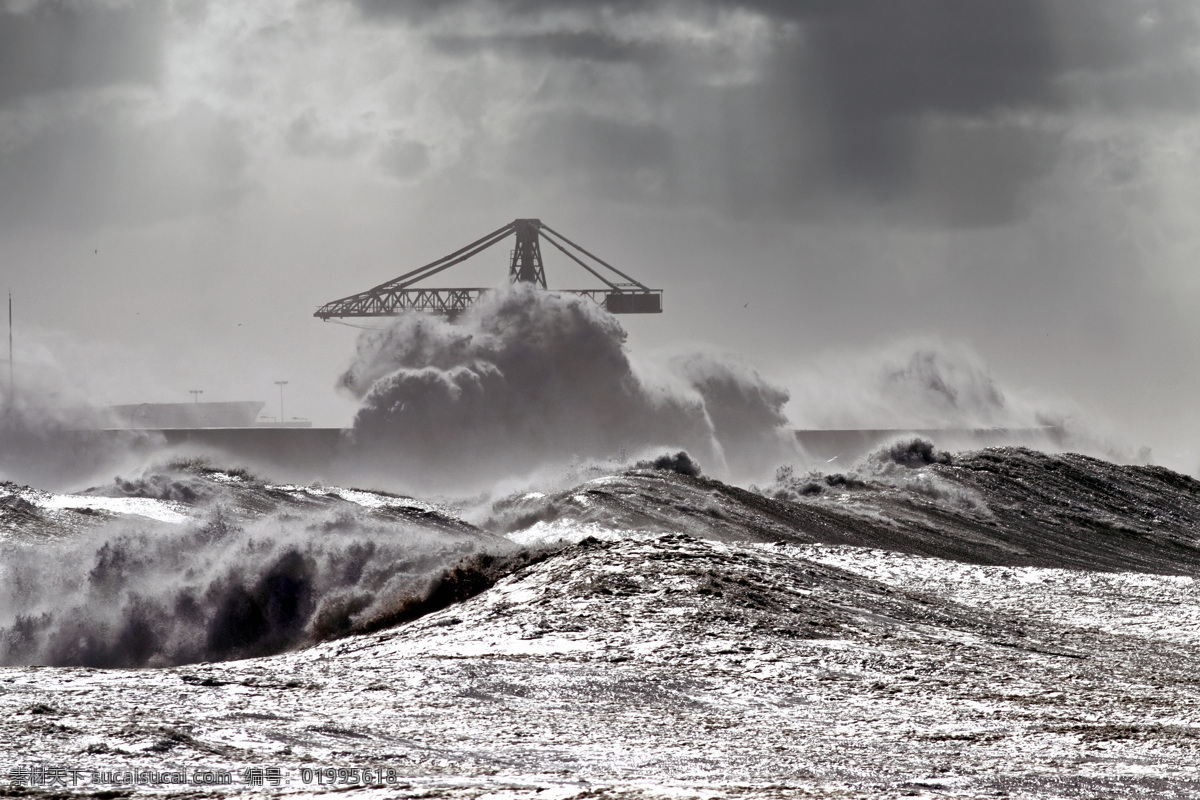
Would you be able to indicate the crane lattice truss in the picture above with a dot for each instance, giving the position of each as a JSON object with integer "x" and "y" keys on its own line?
{"x": 625, "y": 296}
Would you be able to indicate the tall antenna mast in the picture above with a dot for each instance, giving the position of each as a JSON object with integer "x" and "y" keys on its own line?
{"x": 12, "y": 387}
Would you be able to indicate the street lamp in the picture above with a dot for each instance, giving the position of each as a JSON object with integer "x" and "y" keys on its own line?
{"x": 195, "y": 393}
{"x": 281, "y": 384}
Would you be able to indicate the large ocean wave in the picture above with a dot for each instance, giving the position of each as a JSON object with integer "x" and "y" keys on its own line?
{"x": 252, "y": 570}
{"x": 255, "y": 568}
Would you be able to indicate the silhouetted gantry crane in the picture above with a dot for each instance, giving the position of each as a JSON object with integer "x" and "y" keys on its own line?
{"x": 626, "y": 296}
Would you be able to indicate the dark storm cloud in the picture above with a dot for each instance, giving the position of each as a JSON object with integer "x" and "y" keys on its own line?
{"x": 426, "y": 10}
{"x": 63, "y": 45}
{"x": 974, "y": 175}
{"x": 878, "y": 60}
{"x": 882, "y": 68}
{"x": 908, "y": 105}
{"x": 895, "y": 105}
{"x": 567, "y": 45}
{"x": 914, "y": 101}
{"x": 877, "y": 74}
{"x": 579, "y": 145}
{"x": 411, "y": 11}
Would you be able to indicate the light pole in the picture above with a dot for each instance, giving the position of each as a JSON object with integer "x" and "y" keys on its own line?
{"x": 195, "y": 393}
{"x": 281, "y": 384}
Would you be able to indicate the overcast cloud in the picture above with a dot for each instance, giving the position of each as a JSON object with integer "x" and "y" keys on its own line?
{"x": 188, "y": 180}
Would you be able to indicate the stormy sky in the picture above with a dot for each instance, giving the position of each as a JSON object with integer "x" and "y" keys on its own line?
{"x": 182, "y": 183}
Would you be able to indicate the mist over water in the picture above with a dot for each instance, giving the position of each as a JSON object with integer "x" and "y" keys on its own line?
{"x": 50, "y": 416}
{"x": 924, "y": 384}
{"x": 528, "y": 380}
{"x": 919, "y": 383}
{"x": 529, "y": 385}
{"x": 61, "y": 448}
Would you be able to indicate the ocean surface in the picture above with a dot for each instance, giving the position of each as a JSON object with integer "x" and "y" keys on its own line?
{"x": 1002, "y": 622}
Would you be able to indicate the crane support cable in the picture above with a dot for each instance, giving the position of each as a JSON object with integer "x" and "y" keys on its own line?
{"x": 572, "y": 256}
{"x": 415, "y": 275}
{"x": 433, "y": 268}
{"x": 395, "y": 284}
{"x": 410, "y": 277}
{"x": 594, "y": 257}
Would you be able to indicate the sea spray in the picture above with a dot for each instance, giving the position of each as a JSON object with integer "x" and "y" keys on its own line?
{"x": 528, "y": 379}
{"x": 929, "y": 385}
